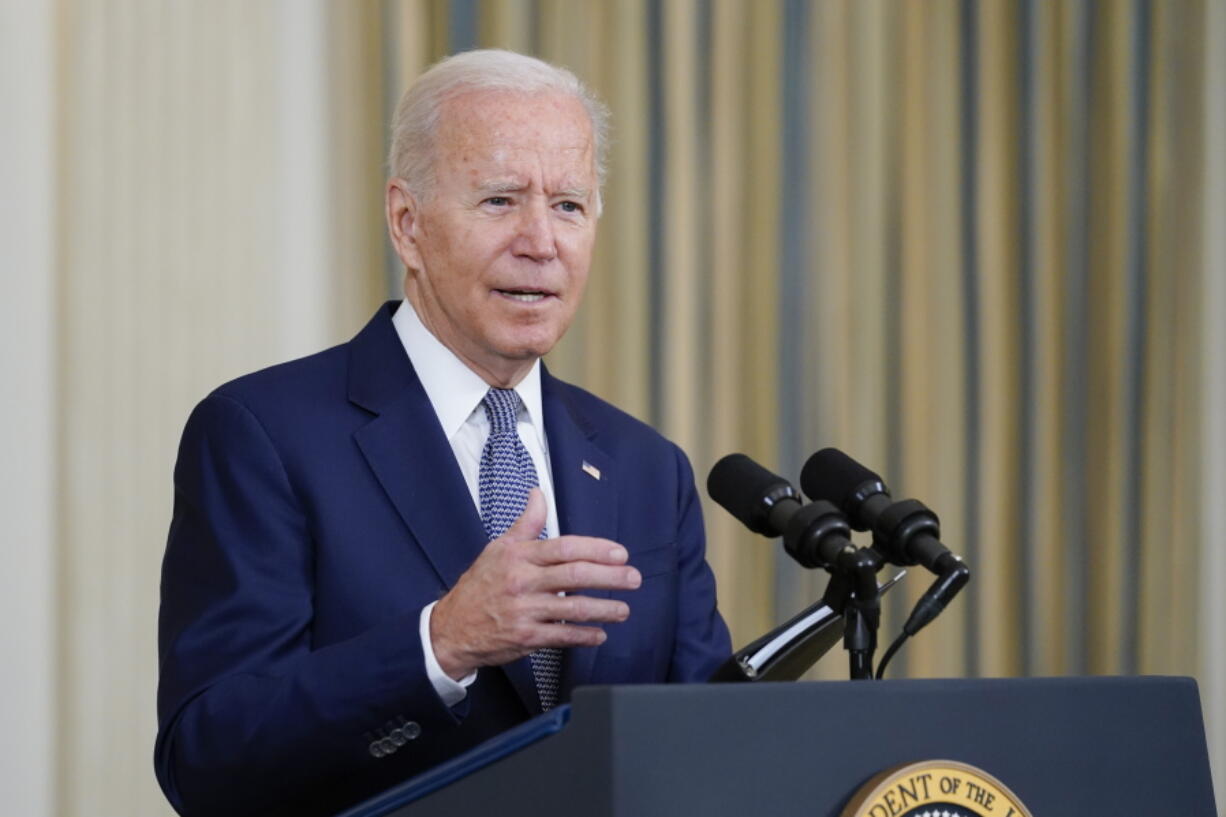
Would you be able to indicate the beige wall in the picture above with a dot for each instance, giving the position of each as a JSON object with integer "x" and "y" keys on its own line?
{"x": 189, "y": 196}
{"x": 28, "y": 347}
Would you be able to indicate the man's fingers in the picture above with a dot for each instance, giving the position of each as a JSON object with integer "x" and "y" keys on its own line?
{"x": 579, "y": 549}
{"x": 570, "y": 635}
{"x": 577, "y": 609}
{"x": 570, "y": 563}
{"x": 571, "y": 576}
{"x": 532, "y": 521}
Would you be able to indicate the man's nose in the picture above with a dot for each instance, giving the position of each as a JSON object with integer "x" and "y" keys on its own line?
{"x": 536, "y": 238}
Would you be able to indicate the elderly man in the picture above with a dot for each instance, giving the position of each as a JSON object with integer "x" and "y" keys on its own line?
{"x": 385, "y": 553}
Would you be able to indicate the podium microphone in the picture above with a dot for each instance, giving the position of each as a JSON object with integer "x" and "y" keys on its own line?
{"x": 815, "y": 535}
{"x": 905, "y": 532}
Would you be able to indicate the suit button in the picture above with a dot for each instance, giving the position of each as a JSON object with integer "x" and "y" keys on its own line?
{"x": 397, "y": 737}
{"x": 376, "y": 749}
{"x": 411, "y": 730}
{"x": 388, "y": 746}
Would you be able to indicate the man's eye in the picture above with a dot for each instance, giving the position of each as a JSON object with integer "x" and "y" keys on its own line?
{"x": 498, "y": 201}
{"x": 570, "y": 206}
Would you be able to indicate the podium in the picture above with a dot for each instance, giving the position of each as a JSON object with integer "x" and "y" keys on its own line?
{"x": 1067, "y": 747}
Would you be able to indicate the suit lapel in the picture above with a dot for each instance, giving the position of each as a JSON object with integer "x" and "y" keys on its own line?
{"x": 585, "y": 490}
{"x": 408, "y": 453}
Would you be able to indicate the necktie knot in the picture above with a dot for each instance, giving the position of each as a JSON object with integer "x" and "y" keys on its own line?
{"x": 502, "y": 409}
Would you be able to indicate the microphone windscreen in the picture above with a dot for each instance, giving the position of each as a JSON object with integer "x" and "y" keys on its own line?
{"x": 833, "y": 476}
{"x": 739, "y": 485}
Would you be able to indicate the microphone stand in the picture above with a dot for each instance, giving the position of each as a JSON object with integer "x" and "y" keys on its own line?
{"x": 789, "y": 650}
{"x": 853, "y": 592}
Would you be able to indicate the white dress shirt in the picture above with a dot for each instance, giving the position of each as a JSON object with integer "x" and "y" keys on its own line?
{"x": 456, "y": 391}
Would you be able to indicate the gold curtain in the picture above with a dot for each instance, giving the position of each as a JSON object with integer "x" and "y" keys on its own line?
{"x": 958, "y": 240}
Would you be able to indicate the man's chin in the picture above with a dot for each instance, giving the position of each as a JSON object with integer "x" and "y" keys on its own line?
{"x": 527, "y": 352}
{"x": 529, "y": 343}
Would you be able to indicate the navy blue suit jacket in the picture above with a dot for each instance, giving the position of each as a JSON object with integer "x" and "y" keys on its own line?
{"x": 318, "y": 508}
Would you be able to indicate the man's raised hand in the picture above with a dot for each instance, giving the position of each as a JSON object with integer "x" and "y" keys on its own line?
{"x": 506, "y": 604}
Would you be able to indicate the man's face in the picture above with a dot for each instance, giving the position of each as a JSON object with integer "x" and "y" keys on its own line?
{"x": 499, "y": 250}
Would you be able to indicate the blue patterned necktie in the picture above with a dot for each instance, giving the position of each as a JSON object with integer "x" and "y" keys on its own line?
{"x": 505, "y": 479}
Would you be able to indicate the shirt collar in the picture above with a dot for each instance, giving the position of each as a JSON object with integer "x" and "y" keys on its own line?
{"x": 454, "y": 390}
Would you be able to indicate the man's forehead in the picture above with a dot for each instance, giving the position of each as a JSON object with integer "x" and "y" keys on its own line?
{"x": 499, "y": 141}
{"x": 510, "y": 120}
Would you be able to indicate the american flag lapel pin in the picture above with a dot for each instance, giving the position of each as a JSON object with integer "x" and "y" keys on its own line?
{"x": 591, "y": 470}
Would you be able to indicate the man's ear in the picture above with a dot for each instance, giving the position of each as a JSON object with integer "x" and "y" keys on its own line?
{"x": 402, "y": 210}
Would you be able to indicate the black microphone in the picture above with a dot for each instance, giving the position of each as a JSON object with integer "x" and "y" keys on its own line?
{"x": 815, "y": 535}
{"x": 905, "y": 532}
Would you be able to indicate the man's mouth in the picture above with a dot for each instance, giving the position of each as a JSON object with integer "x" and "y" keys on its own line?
{"x": 527, "y": 296}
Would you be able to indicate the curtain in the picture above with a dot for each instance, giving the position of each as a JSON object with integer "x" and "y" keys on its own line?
{"x": 958, "y": 240}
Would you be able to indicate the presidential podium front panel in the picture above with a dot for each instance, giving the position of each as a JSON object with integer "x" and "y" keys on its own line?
{"x": 1065, "y": 747}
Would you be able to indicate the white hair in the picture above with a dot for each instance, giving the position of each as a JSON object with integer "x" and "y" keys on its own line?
{"x": 411, "y": 156}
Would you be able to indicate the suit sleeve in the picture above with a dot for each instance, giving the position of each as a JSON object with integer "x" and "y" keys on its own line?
{"x": 247, "y": 710}
{"x": 702, "y": 641}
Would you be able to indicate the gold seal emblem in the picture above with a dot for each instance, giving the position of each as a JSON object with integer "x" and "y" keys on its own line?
{"x": 934, "y": 788}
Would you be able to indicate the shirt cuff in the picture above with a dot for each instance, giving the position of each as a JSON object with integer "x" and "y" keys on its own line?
{"x": 450, "y": 690}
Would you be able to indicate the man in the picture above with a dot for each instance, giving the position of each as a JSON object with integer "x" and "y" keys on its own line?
{"x": 385, "y": 553}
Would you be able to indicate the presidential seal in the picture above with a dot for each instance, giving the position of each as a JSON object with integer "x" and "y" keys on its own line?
{"x": 934, "y": 788}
